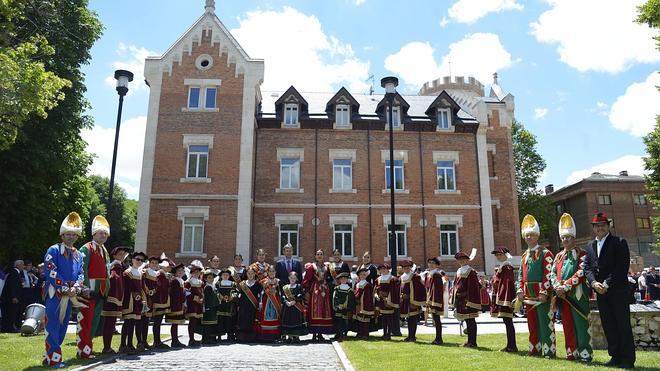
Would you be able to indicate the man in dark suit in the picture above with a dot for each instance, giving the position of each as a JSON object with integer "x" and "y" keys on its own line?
{"x": 287, "y": 265}
{"x": 11, "y": 295}
{"x": 606, "y": 268}
{"x": 653, "y": 283}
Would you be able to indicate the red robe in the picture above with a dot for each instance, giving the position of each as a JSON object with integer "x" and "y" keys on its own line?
{"x": 133, "y": 302}
{"x": 364, "y": 301}
{"x": 112, "y": 306}
{"x": 466, "y": 295}
{"x": 413, "y": 295}
{"x": 161, "y": 298}
{"x": 388, "y": 294}
{"x": 434, "y": 292}
{"x": 150, "y": 279}
{"x": 194, "y": 301}
{"x": 177, "y": 299}
{"x": 319, "y": 313}
{"x": 270, "y": 315}
{"x": 504, "y": 291}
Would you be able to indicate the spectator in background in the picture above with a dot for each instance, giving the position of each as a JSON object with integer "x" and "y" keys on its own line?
{"x": 40, "y": 284}
{"x": 11, "y": 298}
{"x": 641, "y": 284}
{"x": 28, "y": 282}
{"x": 653, "y": 283}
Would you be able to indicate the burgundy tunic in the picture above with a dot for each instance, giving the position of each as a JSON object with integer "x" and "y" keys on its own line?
{"x": 195, "y": 301}
{"x": 504, "y": 291}
{"x": 112, "y": 307}
{"x": 161, "y": 298}
{"x": 364, "y": 302}
{"x": 150, "y": 280}
{"x": 413, "y": 295}
{"x": 434, "y": 292}
{"x": 387, "y": 294}
{"x": 177, "y": 298}
{"x": 466, "y": 295}
{"x": 132, "y": 304}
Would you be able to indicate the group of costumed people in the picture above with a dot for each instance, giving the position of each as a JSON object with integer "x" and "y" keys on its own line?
{"x": 264, "y": 302}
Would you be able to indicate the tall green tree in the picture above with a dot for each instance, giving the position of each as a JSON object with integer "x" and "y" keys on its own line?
{"x": 529, "y": 166}
{"x": 122, "y": 216}
{"x": 649, "y": 14}
{"x": 43, "y": 174}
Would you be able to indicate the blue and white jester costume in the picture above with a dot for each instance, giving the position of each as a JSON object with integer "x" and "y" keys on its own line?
{"x": 63, "y": 270}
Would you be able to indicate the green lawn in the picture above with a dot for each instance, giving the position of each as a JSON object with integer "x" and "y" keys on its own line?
{"x": 397, "y": 355}
{"x": 25, "y": 352}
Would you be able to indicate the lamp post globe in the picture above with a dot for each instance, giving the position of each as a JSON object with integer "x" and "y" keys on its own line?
{"x": 123, "y": 77}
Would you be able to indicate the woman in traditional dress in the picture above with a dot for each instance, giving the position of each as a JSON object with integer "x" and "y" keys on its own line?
{"x": 336, "y": 267}
{"x": 270, "y": 308}
{"x": 260, "y": 266}
{"x": 238, "y": 270}
{"x": 485, "y": 296}
{"x": 248, "y": 303}
{"x": 293, "y": 324}
{"x": 319, "y": 314}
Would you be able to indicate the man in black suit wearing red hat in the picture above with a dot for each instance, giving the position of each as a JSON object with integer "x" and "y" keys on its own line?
{"x": 606, "y": 268}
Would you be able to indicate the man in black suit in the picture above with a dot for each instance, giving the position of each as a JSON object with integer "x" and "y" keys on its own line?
{"x": 11, "y": 295}
{"x": 653, "y": 283}
{"x": 606, "y": 268}
{"x": 287, "y": 265}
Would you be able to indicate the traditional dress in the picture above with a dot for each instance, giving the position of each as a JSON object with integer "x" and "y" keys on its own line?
{"x": 194, "y": 307}
{"x": 413, "y": 297}
{"x": 63, "y": 270}
{"x": 248, "y": 304}
{"x": 335, "y": 269}
{"x": 343, "y": 303}
{"x": 95, "y": 268}
{"x": 238, "y": 274}
{"x": 466, "y": 300}
{"x": 435, "y": 300}
{"x": 150, "y": 282}
{"x": 261, "y": 268}
{"x": 176, "y": 315}
{"x": 293, "y": 316}
{"x": 485, "y": 296}
{"x": 133, "y": 305}
{"x": 568, "y": 274}
{"x": 364, "y": 307}
{"x": 161, "y": 303}
{"x": 387, "y": 300}
{"x": 210, "y": 316}
{"x": 226, "y": 312}
{"x": 501, "y": 304}
{"x": 319, "y": 313}
{"x": 533, "y": 280}
{"x": 270, "y": 310}
{"x": 113, "y": 303}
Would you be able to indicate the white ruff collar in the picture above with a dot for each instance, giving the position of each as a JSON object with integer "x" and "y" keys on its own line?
{"x": 361, "y": 284}
{"x": 384, "y": 278}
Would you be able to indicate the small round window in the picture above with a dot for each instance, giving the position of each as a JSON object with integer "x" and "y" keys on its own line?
{"x": 204, "y": 62}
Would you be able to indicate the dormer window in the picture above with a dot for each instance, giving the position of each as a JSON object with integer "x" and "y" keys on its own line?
{"x": 342, "y": 115}
{"x": 396, "y": 112}
{"x": 444, "y": 118}
{"x": 291, "y": 114}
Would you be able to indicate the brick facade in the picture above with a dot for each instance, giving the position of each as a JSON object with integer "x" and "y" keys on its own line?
{"x": 239, "y": 197}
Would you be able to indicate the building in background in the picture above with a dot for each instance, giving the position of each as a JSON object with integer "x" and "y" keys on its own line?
{"x": 230, "y": 169}
{"x": 622, "y": 198}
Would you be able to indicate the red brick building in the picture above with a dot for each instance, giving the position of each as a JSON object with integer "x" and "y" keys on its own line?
{"x": 230, "y": 169}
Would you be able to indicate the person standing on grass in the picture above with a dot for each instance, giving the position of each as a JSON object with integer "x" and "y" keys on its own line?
{"x": 435, "y": 296}
{"x": 653, "y": 284}
{"x": 113, "y": 301}
{"x": 570, "y": 285}
{"x": 413, "y": 297}
{"x": 466, "y": 296}
{"x": 11, "y": 298}
{"x": 504, "y": 292}
{"x": 534, "y": 288}
{"x": 64, "y": 281}
{"x": 387, "y": 298}
{"x": 606, "y": 268}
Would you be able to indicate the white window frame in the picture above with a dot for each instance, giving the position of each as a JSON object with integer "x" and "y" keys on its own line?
{"x": 335, "y": 232}
{"x": 203, "y": 85}
{"x": 601, "y": 199}
{"x": 343, "y": 116}
{"x": 344, "y": 187}
{"x": 291, "y": 167}
{"x": 288, "y": 232}
{"x": 405, "y": 240}
{"x": 396, "y": 112}
{"x": 639, "y": 199}
{"x": 447, "y": 112}
{"x": 289, "y": 119}
{"x": 291, "y": 154}
{"x": 444, "y": 169}
{"x": 184, "y": 212}
{"x": 296, "y": 219}
{"x": 198, "y": 155}
{"x": 215, "y": 100}
{"x": 199, "y": 97}
{"x": 403, "y": 175}
{"x": 448, "y": 234}
{"x": 447, "y": 219}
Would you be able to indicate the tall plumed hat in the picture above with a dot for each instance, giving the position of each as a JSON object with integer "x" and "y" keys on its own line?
{"x": 529, "y": 225}
{"x": 100, "y": 223}
{"x": 566, "y": 225}
{"x": 71, "y": 224}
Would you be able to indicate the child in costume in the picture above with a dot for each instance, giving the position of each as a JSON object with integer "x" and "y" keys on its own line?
{"x": 293, "y": 324}
{"x": 227, "y": 294}
{"x": 364, "y": 303}
{"x": 210, "y": 316}
{"x": 343, "y": 303}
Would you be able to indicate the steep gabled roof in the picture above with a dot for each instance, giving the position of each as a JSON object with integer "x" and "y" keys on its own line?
{"x": 343, "y": 92}
{"x": 291, "y": 91}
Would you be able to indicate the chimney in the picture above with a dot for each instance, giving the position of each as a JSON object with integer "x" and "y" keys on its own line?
{"x": 549, "y": 189}
{"x": 623, "y": 173}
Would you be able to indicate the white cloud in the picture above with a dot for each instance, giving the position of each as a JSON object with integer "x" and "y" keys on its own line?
{"x": 601, "y": 108}
{"x": 469, "y": 11}
{"x": 444, "y": 22}
{"x": 100, "y": 142}
{"x": 477, "y": 55}
{"x": 131, "y": 59}
{"x": 635, "y": 110}
{"x": 298, "y": 52}
{"x": 596, "y": 35}
{"x": 631, "y": 163}
{"x": 540, "y": 113}
{"x": 359, "y": 2}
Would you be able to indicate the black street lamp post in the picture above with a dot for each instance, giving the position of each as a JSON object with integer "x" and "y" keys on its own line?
{"x": 123, "y": 77}
{"x": 390, "y": 83}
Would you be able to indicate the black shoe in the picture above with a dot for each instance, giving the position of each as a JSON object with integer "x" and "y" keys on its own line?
{"x": 160, "y": 345}
{"x": 612, "y": 362}
{"x": 176, "y": 344}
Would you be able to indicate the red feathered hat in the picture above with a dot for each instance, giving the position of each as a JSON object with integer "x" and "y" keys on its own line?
{"x": 600, "y": 218}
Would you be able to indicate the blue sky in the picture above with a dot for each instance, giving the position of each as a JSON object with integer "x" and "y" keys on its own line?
{"x": 582, "y": 72}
